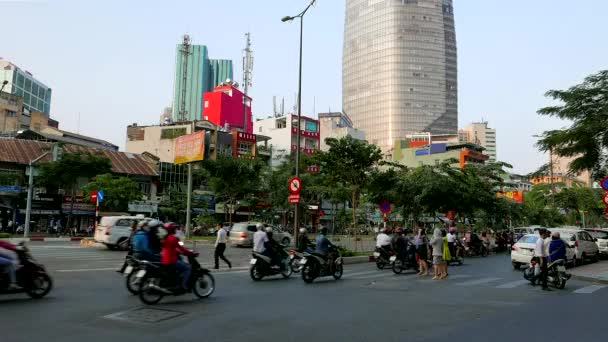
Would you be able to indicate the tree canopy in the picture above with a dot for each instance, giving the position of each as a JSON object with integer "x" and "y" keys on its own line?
{"x": 119, "y": 191}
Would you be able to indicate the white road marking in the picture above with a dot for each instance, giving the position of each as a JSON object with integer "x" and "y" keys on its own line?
{"x": 513, "y": 284}
{"x": 590, "y": 289}
{"x": 478, "y": 281}
{"x": 88, "y": 270}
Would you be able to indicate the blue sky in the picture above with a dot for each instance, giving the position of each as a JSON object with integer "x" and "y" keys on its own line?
{"x": 112, "y": 61}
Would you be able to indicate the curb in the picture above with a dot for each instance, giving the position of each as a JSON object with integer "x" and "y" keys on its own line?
{"x": 41, "y": 239}
{"x": 590, "y": 279}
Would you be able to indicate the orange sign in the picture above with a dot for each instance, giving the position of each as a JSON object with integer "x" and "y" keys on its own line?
{"x": 190, "y": 148}
{"x": 516, "y": 196}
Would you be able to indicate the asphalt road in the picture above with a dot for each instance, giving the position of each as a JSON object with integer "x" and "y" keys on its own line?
{"x": 482, "y": 300}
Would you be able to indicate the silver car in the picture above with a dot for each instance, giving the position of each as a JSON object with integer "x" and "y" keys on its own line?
{"x": 241, "y": 234}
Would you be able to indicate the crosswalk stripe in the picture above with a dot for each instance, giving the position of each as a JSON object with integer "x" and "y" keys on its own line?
{"x": 512, "y": 284}
{"x": 478, "y": 281}
{"x": 351, "y": 275}
{"x": 590, "y": 289}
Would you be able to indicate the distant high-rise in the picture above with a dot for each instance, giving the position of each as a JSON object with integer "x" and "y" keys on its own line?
{"x": 479, "y": 133}
{"x": 36, "y": 96}
{"x": 399, "y": 68}
{"x": 199, "y": 75}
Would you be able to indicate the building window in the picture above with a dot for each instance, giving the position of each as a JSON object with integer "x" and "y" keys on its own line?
{"x": 244, "y": 148}
{"x": 281, "y": 123}
{"x": 144, "y": 188}
{"x": 260, "y": 130}
{"x": 312, "y": 126}
{"x": 11, "y": 114}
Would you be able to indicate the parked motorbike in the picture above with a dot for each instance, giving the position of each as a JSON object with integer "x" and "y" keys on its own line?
{"x": 156, "y": 281}
{"x": 32, "y": 277}
{"x": 382, "y": 257}
{"x": 261, "y": 266}
{"x": 316, "y": 265}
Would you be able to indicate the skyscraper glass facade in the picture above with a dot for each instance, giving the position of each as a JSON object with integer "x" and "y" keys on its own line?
{"x": 399, "y": 68}
{"x": 202, "y": 74}
{"x": 36, "y": 95}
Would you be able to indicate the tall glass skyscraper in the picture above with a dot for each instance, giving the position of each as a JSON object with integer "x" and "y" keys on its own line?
{"x": 36, "y": 95}
{"x": 202, "y": 75}
{"x": 399, "y": 68}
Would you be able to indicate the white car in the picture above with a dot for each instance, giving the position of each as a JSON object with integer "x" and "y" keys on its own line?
{"x": 602, "y": 239}
{"x": 113, "y": 230}
{"x": 584, "y": 244}
{"x": 523, "y": 251}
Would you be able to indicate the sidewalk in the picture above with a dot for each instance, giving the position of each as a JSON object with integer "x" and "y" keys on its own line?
{"x": 597, "y": 272}
{"x": 43, "y": 239}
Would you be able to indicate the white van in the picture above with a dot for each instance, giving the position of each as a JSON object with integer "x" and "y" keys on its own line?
{"x": 113, "y": 230}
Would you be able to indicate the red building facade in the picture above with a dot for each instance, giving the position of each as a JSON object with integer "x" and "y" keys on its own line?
{"x": 225, "y": 106}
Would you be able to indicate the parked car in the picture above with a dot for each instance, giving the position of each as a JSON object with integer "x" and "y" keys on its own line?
{"x": 601, "y": 236}
{"x": 523, "y": 251}
{"x": 241, "y": 234}
{"x": 583, "y": 243}
{"x": 113, "y": 230}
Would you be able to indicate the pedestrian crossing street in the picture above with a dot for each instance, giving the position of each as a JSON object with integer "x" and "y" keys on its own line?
{"x": 467, "y": 280}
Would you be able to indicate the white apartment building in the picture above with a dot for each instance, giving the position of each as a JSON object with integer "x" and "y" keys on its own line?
{"x": 337, "y": 125}
{"x": 479, "y": 133}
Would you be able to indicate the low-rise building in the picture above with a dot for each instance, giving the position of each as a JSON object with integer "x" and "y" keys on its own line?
{"x": 226, "y": 106}
{"x": 337, "y": 125}
{"x": 436, "y": 153}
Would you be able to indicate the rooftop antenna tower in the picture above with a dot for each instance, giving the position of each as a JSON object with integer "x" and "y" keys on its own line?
{"x": 247, "y": 76}
{"x": 185, "y": 51}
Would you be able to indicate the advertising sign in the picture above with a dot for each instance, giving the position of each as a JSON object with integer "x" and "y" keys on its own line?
{"x": 515, "y": 196}
{"x": 190, "y": 148}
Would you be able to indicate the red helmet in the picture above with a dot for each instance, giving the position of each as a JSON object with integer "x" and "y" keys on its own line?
{"x": 171, "y": 227}
{"x": 399, "y": 230}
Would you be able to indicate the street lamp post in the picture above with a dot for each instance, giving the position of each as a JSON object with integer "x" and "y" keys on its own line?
{"x": 30, "y": 193}
{"x": 298, "y": 134}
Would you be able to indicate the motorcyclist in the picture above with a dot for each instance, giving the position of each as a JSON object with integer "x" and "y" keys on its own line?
{"x": 324, "y": 247}
{"x": 171, "y": 249}
{"x": 452, "y": 241}
{"x": 8, "y": 261}
{"x": 383, "y": 243}
{"x": 259, "y": 239}
{"x": 273, "y": 248}
{"x": 141, "y": 245}
{"x": 400, "y": 244}
{"x": 557, "y": 248}
{"x": 303, "y": 241}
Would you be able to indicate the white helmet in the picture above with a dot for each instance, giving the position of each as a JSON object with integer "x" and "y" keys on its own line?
{"x": 302, "y": 230}
{"x": 259, "y": 226}
{"x": 268, "y": 229}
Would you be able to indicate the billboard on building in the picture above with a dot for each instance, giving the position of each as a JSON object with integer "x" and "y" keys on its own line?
{"x": 190, "y": 148}
{"x": 515, "y": 196}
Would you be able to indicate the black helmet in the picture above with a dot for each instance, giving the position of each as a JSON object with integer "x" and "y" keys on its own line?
{"x": 323, "y": 231}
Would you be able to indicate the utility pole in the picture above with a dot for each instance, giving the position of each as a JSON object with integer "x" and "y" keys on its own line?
{"x": 185, "y": 50}
{"x": 247, "y": 77}
{"x": 551, "y": 175}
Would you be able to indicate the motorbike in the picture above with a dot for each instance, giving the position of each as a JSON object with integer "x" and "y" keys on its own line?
{"x": 156, "y": 281}
{"x": 261, "y": 266}
{"x": 130, "y": 272}
{"x": 382, "y": 257}
{"x": 556, "y": 273}
{"x": 458, "y": 258}
{"x": 406, "y": 261}
{"x": 315, "y": 265}
{"x": 476, "y": 250}
{"x": 32, "y": 277}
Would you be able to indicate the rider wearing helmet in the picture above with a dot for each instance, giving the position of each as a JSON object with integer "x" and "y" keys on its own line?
{"x": 303, "y": 241}
{"x": 170, "y": 252}
{"x": 324, "y": 247}
{"x": 400, "y": 243}
{"x": 141, "y": 244}
{"x": 273, "y": 248}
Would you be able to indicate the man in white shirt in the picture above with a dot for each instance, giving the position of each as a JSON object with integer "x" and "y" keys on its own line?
{"x": 383, "y": 240}
{"x": 541, "y": 253}
{"x": 220, "y": 246}
{"x": 259, "y": 239}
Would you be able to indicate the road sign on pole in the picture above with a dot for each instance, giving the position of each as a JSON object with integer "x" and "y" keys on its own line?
{"x": 604, "y": 183}
{"x": 295, "y": 185}
{"x": 385, "y": 207}
{"x": 100, "y": 195}
{"x": 294, "y": 199}
{"x": 605, "y": 199}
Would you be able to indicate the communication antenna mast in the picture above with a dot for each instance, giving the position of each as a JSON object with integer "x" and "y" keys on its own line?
{"x": 185, "y": 51}
{"x": 247, "y": 76}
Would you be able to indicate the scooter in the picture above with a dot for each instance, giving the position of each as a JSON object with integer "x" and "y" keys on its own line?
{"x": 406, "y": 262}
{"x": 155, "y": 282}
{"x": 382, "y": 257}
{"x": 32, "y": 277}
{"x": 556, "y": 273}
{"x": 316, "y": 265}
{"x": 262, "y": 266}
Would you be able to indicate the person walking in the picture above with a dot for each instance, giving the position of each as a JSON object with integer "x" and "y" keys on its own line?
{"x": 422, "y": 251}
{"x": 541, "y": 254}
{"x": 220, "y": 246}
{"x": 437, "y": 245}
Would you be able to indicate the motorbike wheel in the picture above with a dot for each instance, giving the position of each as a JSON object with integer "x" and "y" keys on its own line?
{"x": 295, "y": 265}
{"x": 148, "y": 294}
{"x": 484, "y": 252}
{"x": 132, "y": 282}
{"x": 308, "y": 274}
{"x": 560, "y": 281}
{"x": 380, "y": 263}
{"x": 397, "y": 267}
{"x": 204, "y": 285}
{"x": 460, "y": 260}
{"x": 256, "y": 273}
{"x": 288, "y": 271}
{"x": 40, "y": 286}
{"x": 338, "y": 272}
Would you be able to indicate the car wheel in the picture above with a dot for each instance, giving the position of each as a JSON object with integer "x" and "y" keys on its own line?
{"x": 516, "y": 266}
{"x": 596, "y": 258}
{"x": 583, "y": 258}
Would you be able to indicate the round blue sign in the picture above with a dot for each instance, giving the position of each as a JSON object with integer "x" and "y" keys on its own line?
{"x": 604, "y": 184}
{"x": 385, "y": 207}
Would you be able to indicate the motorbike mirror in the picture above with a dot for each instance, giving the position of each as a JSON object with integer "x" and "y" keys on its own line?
{"x": 181, "y": 243}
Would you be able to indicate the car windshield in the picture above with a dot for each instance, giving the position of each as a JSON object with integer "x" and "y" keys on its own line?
{"x": 599, "y": 235}
{"x": 529, "y": 239}
{"x": 239, "y": 227}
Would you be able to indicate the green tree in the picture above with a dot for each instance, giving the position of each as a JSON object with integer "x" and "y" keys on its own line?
{"x": 233, "y": 179}
{"x": 119, "y": 191}
{"x": 586, "y": 105}
{"x": 350, "y": 162}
